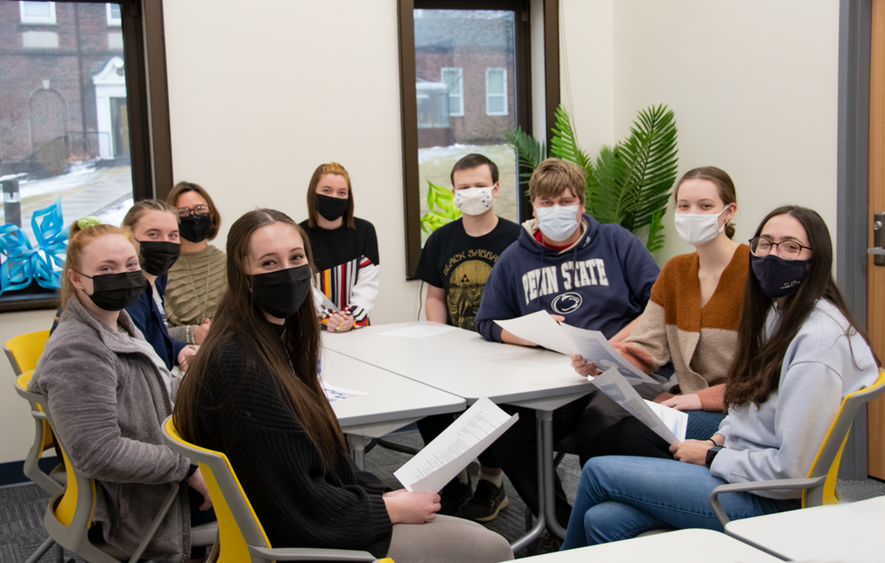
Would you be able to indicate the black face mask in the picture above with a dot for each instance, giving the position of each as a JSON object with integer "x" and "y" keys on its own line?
{"x": 331, "y": 208}
{"x": 281, "y": 293}
{"x": 115, "y": 292}
{"x": 157, "y": 256}
{"x": 195, "y": 228}
{"x": 778, "y": 277}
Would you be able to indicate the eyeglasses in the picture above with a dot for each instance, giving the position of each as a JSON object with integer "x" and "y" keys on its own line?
{"x": 187, "y": 211}
{"x": 786, "y": 249}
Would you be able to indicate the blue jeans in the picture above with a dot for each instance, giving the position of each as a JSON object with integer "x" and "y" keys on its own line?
{"x": 620, "y": 497}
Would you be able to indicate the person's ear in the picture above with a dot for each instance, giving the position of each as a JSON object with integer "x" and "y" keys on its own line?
{"x": 496, "y": 189}
{"x": 75, "y": 279}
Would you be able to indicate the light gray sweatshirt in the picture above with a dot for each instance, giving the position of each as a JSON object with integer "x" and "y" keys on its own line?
{"x": 780, "y": 438}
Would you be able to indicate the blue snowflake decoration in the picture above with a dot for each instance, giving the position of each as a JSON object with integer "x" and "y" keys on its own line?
{"x": 22, "y": 262}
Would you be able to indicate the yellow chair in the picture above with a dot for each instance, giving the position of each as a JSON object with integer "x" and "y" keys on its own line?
{"x": 240, "y": 535}
{"x": 69, "y": 514}
{"x": 819, "y": 488}
{"x": 24, "y": 350}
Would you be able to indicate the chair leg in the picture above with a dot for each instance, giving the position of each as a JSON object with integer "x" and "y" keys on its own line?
{"x": 59, "y": 553}
{"x": 44, "y": 547}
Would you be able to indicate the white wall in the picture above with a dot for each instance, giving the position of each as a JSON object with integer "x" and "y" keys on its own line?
{"x": 260, "y": 96}
{"x": 753, "y": 85}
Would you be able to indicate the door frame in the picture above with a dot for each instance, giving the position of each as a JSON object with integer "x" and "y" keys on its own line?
{"x": 855, "y": 32}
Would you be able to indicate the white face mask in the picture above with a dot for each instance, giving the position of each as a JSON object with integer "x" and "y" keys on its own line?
{"x": 474, "y": 201}
{"x": 699, "y": 228}
{"x": 557, "y": 223}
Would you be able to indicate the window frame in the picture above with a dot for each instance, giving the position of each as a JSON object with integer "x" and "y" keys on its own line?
{"x": 408, "y": 104}
{"x": 24, "y": 19}
{"x": 144, "y": 54}
{"x": 503, "y": 72}
{"x": 460, "y": 95}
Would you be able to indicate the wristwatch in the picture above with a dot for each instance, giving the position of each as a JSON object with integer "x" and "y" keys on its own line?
{"x": 711, "y": 454}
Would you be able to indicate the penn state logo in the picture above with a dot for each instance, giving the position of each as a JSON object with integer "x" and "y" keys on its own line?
{"x": 567, "y": 303}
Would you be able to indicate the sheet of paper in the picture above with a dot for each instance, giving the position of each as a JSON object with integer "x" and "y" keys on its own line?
{"x": 443, "y": 458}
{"x": 419, "y": 331}
{"x": 335, "y": 393}
{"x": 540, "y": 328}
{"x": 613, "y": 384}
{"x": 594, "y": 347}
{"x": 676, "y": 421}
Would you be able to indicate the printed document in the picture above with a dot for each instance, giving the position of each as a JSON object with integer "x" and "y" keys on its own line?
{"x": 540, "y": 328}
{"x": 335, "y": 393}
{"x": 442, "y": 459}
{"x": 669, "y": 424}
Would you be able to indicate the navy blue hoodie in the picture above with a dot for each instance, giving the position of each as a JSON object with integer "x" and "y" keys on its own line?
{"x": 602, "y": 282}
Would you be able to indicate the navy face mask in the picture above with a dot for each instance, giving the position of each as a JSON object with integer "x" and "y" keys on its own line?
{"x": 281, "y": 293}
{"x": 115, "y": 292}
{"x": 778, "y": 277}
{"x": 331, "y": 208}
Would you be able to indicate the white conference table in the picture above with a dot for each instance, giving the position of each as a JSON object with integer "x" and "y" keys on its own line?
{"x": 852, "y": 532}
{"x": 462, "y": 363}
{"x": 681, "y": 546}
{"x": 389, "y": 403}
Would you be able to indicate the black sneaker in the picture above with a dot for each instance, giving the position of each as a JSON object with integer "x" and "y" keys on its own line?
{"x": 454, "y": 496}
{"x": 487, "y": 502}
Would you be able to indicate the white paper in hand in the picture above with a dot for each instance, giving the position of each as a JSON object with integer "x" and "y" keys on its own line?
{"x": 442, "y": 459}
{"x": 670, "y": 424}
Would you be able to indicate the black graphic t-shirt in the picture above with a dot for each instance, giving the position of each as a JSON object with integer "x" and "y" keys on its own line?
{"x": 461, "y": 264}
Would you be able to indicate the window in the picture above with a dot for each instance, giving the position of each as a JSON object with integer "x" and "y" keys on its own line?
{"x": 37, "y": 12}
{"x": 82, "y": 137}
{"x": 115, "y": 19}
{"x": 496, "y": 91}
{"x": 454, "y": 79}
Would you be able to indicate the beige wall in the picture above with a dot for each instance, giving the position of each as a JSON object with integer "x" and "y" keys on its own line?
{"x": 260, "y": 96}
{"x": 753, "y": 85}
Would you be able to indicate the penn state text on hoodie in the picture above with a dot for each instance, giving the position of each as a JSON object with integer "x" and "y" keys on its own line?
{"x": 602, "y": 282}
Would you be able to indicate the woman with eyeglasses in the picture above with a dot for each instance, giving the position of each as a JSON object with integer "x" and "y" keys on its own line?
{"x": 799, "y": 353}
{"x": 691, "y": 319}
{"x": 253, "y": 393}
{"x": 197, "y": 280}
{"x": 346, "y": 252}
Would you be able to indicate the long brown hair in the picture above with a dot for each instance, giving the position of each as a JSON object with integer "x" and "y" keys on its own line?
{"x": 755, "y": 371}
{"x": 78, "y": 239}
{"x": 323, "y": 169}
{"x": 239, "y": 318}
{"x": 721, "y": 180}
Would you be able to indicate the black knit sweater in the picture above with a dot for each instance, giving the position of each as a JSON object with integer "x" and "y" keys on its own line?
{"x": 245, "y": 415}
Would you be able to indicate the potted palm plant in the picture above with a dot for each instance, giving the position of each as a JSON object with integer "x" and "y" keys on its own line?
{"x": 628, "y": 183}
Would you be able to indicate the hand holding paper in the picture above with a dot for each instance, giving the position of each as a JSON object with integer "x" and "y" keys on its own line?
{"x": 440, "y": 460}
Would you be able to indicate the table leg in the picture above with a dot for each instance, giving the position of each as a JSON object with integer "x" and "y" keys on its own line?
{"x": 546, "y": 491}
{"x": 357, "y": 449}
{"x": 541, "y": 523}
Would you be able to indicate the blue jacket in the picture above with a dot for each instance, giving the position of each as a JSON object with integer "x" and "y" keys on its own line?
{"x": 149, "y": 321}
{"x": 602, "y": 282}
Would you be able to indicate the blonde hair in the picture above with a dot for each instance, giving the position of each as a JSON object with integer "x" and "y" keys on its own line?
{"x": 554, "y": 176}
{"x": 78, "y": 239}
{"x": 137, "y": 211}
{"x": 323, "y": 169}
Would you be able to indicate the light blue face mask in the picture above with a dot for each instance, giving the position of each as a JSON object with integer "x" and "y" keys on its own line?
{"x": 557, "y": 223}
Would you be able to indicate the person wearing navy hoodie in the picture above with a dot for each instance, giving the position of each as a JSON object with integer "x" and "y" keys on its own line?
{"x": 586, "y": 274}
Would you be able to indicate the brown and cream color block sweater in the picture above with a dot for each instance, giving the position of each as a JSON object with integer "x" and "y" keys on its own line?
{"x": 701, "y": 341}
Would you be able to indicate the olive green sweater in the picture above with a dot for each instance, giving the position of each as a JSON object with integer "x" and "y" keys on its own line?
{"x": 196, "y": 283}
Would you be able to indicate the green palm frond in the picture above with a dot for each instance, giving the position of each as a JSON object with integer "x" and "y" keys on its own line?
{"x": 655, "y": 239}
{"x": 530, "y": 151}
{"x": 650, "y": 156}
{"x": 611, "y": 201}
{"x": 564, "y": 145}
